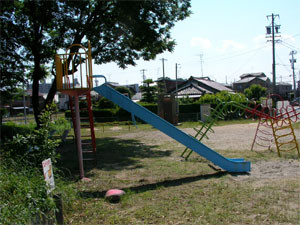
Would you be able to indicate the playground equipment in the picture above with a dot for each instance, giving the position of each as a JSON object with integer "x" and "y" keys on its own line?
{"x": 78, "y": 83}
{"x": 277, "y": 128}
{"x": 273, "y": 126}
{"x": 231, "y": 165}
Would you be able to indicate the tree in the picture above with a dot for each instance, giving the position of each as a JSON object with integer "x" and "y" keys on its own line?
{"x": 148, "y": 92}
{"x": 125, "y": 90}
{"x": 119, "y": 31}
{"x": 255, "y": 91}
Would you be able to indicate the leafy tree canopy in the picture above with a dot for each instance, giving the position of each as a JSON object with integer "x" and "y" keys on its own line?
{"x": 125, "y": 90}
{"x": 255, "y": 91}
{"x": 119, "y": 31}
{"x": 148, "y": 91}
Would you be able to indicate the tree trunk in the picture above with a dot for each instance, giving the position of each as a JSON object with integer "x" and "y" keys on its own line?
{"x": 51, "y": 93}
{"x": 35, "y": 91}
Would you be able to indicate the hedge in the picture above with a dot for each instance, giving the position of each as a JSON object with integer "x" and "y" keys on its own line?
{"x": 11, "y": 129}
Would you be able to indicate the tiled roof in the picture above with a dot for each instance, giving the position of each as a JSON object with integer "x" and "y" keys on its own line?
{"x": 283, "y": 83}
{"x": 261, "y": 74}
{"x": 249, "y": 79}
{"x": 191, "y": 89}
{"x": 215, "y": 85}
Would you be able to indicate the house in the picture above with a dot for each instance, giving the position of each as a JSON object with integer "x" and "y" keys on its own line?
{"x": 283, "y": 89}
{"x": 248, "y": 79}
{"x": 17, "y": 105}
{"x": 168, "y": 83}
{"x": 195, "y": 87}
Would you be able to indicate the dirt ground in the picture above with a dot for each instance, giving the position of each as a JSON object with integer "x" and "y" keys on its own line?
{"x": 237, "y": 137}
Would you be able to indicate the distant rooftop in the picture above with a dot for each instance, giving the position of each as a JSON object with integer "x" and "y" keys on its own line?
{"x": 260, "y": 74}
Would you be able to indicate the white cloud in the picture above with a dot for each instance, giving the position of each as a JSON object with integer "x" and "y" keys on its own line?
{"x": 260, "y": 40}
{"x": 203, "y": 43}
{"x": 287, "y": 37}
{"x": 230, "y": 45}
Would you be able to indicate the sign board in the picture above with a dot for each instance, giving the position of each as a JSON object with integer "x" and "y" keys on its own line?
{"x": 48, "y": 175}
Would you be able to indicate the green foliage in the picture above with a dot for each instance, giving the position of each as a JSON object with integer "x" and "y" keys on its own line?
{"x": 222, "y": 96}
{"x": 186, "y": 100}
{"x": 60, "y": 125}
{"x": 148, "y": 92}
{"x": 23, "y": 194}
{"x": 11, "y": 129}
{"x": 189, "y": 108}
{"x": 255, "y": 92}
{"x": 104, "y": 103}
{"x": 119, "y": 31}
{"x": 125, "y": 90}
{"x": 150, "y": 106}
{"x": 32, "y": 148}
{"x": 83, "y": 104}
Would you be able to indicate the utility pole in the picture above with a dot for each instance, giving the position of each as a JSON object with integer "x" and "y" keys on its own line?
{"x": 176, "y": 69}
{"x": 177, "y": 104}
{"x": 143, "y": 76}
{"x": 293, "y": 61}
{"x": 271, "y": 30}
{"x": 163, "y": 66}
{"x": 201, "y": 61}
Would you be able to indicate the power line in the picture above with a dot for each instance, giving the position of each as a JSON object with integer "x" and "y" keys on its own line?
{"x": 289, "y": 45}
{"x": 237, "y": 55}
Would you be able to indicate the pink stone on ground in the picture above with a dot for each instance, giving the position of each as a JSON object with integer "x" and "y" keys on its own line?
{"x": 114, "y": 195}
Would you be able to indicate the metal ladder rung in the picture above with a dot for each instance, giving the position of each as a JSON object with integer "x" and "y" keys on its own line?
{"x": 281, "y": 128}
{"x": 88, "y": 151}
{"x": 89, "y": 159}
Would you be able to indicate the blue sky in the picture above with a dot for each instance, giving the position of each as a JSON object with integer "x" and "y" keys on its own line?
{"x": 230, "y": 35}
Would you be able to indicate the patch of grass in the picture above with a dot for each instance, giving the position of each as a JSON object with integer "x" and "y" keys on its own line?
{"x": 161, "y": 188}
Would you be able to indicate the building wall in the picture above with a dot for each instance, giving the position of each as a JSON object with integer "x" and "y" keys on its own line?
{"x": 240, "y": 87}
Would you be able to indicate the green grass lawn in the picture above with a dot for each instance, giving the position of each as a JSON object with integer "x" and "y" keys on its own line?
{"x": 161, "y": 188}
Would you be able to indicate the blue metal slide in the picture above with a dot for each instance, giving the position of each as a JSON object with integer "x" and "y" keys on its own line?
{"x": 230, "y": 165}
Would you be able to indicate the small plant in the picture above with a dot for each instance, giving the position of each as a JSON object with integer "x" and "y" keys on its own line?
{"x": 23, "y": 194}
{"x": 32, "y": 148}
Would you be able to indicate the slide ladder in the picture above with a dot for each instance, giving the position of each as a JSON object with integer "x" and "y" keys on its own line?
{"x": 284, "y": 135}
{"x": 88, "y": 141}
{"x": 228, "y": 164}
{"x": 217, "y": 113}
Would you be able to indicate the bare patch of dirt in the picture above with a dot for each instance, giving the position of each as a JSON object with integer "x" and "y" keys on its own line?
{"x": 232, "y": 137}
{"x": 269, "y": 170}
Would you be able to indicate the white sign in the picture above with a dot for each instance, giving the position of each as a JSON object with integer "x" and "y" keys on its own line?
{"x": 48, "y": 175}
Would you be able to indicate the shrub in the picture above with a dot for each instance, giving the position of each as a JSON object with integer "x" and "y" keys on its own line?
{"x": 60, "y": 125}
{"x": 150, "y": 106}
{"x": 189, "y": 108}
{"x": 104, "y": 103}
{"x": 23, "y": 194}
{"x": 11, "y": 129}
{"x": 32, "y": 148}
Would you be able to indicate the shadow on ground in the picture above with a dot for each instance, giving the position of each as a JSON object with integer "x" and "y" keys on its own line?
{"x": 153, "y": 186}
{"x": 112, "y": 154}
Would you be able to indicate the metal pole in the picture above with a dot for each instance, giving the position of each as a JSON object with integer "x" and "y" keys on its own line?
{"x": 177, "y": 102}
{"x": 293, "y": 68}
{"x": 273, "y": 50}
{"x": 78, "y": 137}
{"x": 24, "y": 104}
